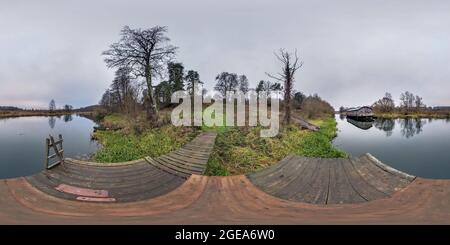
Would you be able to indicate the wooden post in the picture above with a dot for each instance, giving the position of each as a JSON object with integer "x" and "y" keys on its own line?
{"x": 58, "y": 151}
{"x": 61, "y": 147}
{"x": 47, "y": 152}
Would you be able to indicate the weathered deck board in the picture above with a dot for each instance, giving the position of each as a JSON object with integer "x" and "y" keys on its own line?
{"x": 224, "y": 200}
{"x": 289, "y": 184}
{"x": 317, "y": 192}
{"x": 340, "y": 189}
{"x": 229, "y": 200}
{"x": 129, "y": 181}
{"x": 330, "y": 181}
{"x": 380, "y": 179}
{"x": 298, "y": 188}
{"x": 360, "y": 185}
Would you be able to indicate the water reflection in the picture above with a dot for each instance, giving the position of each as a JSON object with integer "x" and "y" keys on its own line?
{"x": 409, "y": 126}
{"x": 29, "y": 133}
{"x": 67, "y": 118}
{"x": 51, "y": 122}
{"x": 364, "y": 125}
{"x": 385, "y": 124}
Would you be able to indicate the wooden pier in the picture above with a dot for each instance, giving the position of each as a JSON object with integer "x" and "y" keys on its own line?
{"x": 172, "y": 190}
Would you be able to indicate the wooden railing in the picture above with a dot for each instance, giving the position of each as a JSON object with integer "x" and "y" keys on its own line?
{"x": 58, "y": 152}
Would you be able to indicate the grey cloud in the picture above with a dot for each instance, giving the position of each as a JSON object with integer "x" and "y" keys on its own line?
{"x": 353, "y": 51}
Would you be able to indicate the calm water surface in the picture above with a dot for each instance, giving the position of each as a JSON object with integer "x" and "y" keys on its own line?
{"x": 416, "y": 146}
{"x": 22, "y": 142}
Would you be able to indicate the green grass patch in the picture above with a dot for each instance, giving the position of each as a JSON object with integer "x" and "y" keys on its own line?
{"x": 115, "y": 121}
{"x": 118, "y": 146}
{"x": 242, "y": 150}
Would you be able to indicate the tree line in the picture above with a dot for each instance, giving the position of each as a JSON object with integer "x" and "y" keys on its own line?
{"x": 409, "y": 103}
{"x": 142, "y": 56}
{"x": 52, "y": 107}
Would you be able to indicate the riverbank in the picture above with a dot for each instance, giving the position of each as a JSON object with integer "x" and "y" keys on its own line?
{"x": 237, "y": 150}
{"x": 125, "y": 138}
{"x": 25, "y": 113}
{"x": 433, "y": 115}
{"x": 241, "y": 150}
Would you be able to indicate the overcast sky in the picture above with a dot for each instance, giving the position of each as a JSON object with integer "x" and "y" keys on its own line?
{"x": 353, "y": 51}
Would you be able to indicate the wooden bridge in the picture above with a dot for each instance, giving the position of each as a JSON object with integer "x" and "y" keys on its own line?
{"x": 171, "y": 189}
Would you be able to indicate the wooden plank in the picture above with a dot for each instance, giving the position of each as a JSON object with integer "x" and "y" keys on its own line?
{"x": 173, "y": 166}
{"x": 55, "y": 155}
{"x": 389, "y": 169}
{"x": 96, "y": 199}
{"x": 40, "y": 182}
{"x": 108, "y": 171}
{"x": 382, "y": 180}
{"x": 185, "y": 161}
{"x": 360, "y": 185}
{"x": 75, "y": 190}
{"x": 260, "y": 173}
{"x": 56, "y": 142}
{"x": 183, "y": 166}
{"x": 94, "y": 182}
{"x": 301, "y": 185}
{"x": 315, "y": 190}
{"x": 340, "y": 189}
{"x": 153, "y": 186}
{"x": 190, "y": 153}
{"x": 272, "y": 174}
{"x": 289, "y": 174}
{"x": 163, "y": 188}
{"x": 162, "y": 167}
{"x": 300, "y": 178}
{"x": 131, "y": 173}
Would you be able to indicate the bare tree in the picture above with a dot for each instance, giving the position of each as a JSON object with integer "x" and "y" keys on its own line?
{"x": 52, "y": 106}
{"x": 290, "y": 64}
{"x": 407, "y": 101}
{"x": 385, "y": 104}
{"x": 145, "y": 52}
{"x": 419, "y": 103}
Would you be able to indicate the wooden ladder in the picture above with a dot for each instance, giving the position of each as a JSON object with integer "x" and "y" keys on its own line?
{"x": 58, "y": 151}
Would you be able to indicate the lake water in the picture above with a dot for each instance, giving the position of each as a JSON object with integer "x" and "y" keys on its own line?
{"x": 22, "y": 142}
{"x": 419, "y": 147}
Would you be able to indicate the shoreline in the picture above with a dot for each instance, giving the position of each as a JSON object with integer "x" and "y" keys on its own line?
{"x": 9, "y": 114}
{"x": 412, "y": 116}
{"x": 408, "y": 116}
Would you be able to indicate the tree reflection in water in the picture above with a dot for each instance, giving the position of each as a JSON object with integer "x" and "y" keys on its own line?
{"x": 409, "y": 126}
{"x": 385, "y": 124}
{"x": 51, "y": 122}
{"x": 67, "y": 118}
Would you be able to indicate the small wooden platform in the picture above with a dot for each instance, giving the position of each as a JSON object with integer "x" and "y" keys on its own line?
{"x": 330, "y": 181}
{"x": 125, "y": 182}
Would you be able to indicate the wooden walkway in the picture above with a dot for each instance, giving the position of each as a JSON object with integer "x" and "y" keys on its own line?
{"x": 331, "y": 181}
{"x": 128, "y": 181}
{"x": 171, "y": 190}
{"x": 190, "y": 159}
